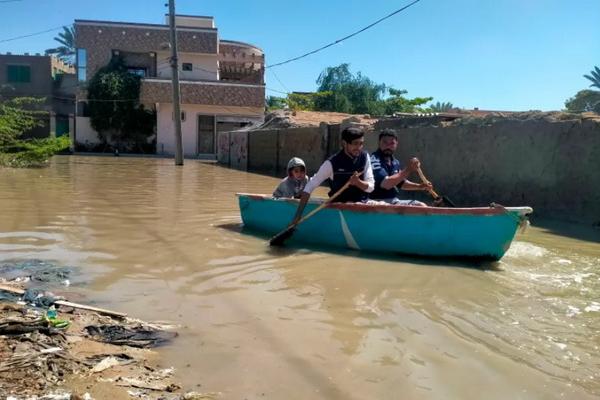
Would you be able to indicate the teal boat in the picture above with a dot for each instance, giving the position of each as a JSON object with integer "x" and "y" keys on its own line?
{"x": 482, "y": 232}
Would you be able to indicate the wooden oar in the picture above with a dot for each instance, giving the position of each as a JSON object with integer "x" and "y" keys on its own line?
{"x": 436, "y": 197}
{"x": 285, "y": 234}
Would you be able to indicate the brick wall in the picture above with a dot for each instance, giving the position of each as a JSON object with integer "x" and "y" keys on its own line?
{"x": 100, "y": 39}
{"x": 205, "y": 93}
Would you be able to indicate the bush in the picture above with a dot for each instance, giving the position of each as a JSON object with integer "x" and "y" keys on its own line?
{"x": 32, "y": 153}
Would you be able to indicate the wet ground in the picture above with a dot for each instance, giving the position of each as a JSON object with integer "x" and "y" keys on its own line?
{"x": 165, "y": 243}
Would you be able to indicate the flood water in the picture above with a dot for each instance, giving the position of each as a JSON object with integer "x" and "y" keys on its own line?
{"x": 165, "y": 243}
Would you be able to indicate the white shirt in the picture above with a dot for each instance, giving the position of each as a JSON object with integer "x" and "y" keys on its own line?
{"x": 326, "y": 172}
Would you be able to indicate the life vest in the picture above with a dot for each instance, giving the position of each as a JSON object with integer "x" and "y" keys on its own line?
{"x": 343, "y": 168}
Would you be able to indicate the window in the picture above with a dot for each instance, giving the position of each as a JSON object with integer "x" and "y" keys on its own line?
{"x": 137, "y": 71}
{"x": 187, "y": 67}
{"x": 81, "y": 65}
{"x": 18, "y": 73}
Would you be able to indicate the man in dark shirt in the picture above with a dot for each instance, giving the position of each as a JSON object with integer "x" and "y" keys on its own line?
{"x": 389, "y": 174}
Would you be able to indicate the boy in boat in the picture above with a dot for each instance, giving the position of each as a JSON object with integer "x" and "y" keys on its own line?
{"x": 389, "y": 174}
{"x": 351, "y": 164}
{"x": 293, "y": 184}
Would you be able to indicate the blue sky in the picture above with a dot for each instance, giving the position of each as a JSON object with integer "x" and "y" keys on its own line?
{"x": 491, "y": 54}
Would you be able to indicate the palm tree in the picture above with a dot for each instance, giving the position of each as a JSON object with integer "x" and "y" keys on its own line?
{"x": 595, "y": 77}
{"x": 66, "y": 51}
{"x": 441, "y": 107}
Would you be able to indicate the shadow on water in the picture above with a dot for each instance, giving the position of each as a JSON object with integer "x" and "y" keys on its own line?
{"x": 568, "y": 229}
{"x": 430, "y": 261}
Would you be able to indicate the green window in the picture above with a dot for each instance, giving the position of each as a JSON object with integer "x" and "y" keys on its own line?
{"x": 18, "y": 73}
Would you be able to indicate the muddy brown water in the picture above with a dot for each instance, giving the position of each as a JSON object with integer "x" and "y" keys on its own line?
{"x": 165, "y": 243}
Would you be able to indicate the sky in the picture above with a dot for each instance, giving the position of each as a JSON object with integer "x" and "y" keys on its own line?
{"x": 492, "y": 54}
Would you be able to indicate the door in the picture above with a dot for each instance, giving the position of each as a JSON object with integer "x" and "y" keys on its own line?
{"x": 206, "y": 134}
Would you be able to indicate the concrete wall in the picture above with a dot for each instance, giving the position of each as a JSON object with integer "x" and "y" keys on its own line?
{"x": 309, "y": 144}
{"x": 262, "y": 150}
{"x": 551, "y": 166}
{"x": 165, "y": 143}
{"x": 40, "y": 83}
{"x": 84, "y": 133}
{"x": 204, "y": 66}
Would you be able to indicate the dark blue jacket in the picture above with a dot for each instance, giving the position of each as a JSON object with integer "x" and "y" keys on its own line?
{"x": 343, "y": 168}
{"x": 381, "y": 170}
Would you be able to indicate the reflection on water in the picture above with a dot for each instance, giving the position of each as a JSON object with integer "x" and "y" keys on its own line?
{"x": 166, "y": 243}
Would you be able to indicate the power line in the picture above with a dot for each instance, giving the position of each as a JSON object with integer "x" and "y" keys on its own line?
{"x": 345, "y": 37}
{"x": 276, "y": 91}
{"x": 279, "y": 80}
{"x": 32, "y": 34}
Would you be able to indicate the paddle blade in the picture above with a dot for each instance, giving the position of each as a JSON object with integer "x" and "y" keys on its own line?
{"x": 449, "y": 202}
{"x": 281, "y": 237}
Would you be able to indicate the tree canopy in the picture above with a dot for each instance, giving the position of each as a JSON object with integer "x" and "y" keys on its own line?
{"x": 18, "y": 115}
{"x": 594, "y": 77}
{"x": 340, "y": 90}
{"x": 115, "y": 111}
{"x": 66, "y": 50}
{"x": 584, "y": 101}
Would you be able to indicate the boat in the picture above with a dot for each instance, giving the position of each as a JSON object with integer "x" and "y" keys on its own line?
{"x": 479, "y": 232}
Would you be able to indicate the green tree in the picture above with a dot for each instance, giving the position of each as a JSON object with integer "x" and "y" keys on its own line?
{"x": 66, "y": 50}
{"x": 584, "y": 101}
{"x": 342, "y": 91}
{"x": 17, "y": 116}
{"x": 275, "y": 103}
{"x": 396, "y": 102}
{"x": 594, "y": 77}
{"x": 350, "y": 93}
{"x": 115, "y": 111}
{"x": 441, "y": 106}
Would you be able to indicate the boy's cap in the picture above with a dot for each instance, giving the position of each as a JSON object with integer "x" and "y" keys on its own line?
{"x": 295, "y": 162}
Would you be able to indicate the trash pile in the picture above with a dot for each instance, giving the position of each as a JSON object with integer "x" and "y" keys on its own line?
{"x": 51, "y": 348}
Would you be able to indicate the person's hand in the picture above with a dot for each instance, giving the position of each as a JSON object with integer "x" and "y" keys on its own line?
{"x": 355, "y": 180}
{"x": 426, "y": 186}
{"x": 414, "y": 164}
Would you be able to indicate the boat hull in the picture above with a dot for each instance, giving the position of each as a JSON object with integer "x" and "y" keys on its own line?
{"x": 444, "y": 232}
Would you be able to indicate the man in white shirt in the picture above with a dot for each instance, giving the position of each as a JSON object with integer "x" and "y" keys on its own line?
{"x": 350, "y": 163}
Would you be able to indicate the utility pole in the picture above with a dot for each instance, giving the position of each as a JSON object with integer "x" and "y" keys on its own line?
{"x": 175, "y": 86}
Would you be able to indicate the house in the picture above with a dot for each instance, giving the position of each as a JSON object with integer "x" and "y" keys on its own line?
{"x": 25, "y": 75}
{"x": 221, "y": 81}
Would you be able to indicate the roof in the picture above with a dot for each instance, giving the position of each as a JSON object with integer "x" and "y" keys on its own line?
{"x": 138, "y": 25}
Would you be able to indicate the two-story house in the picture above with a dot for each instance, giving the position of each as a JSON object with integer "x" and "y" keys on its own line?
{"x": 221, "y": 81}
{"x": 41, "y": 76}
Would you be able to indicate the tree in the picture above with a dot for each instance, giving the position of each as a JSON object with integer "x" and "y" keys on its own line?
{"x": 17, "y": 116}
{"x": 342, "y": 91}
{"x": 584, "y": 101}
{"x": 396, "y": 102}
{"x": 275, "y": 103}
{"x": 115, "y": 112}
{"x": 594, "y": 77}
{"x": 441, "y": 107}
{"x": 350, "y": 93}
{"x": 66, "y": 50}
